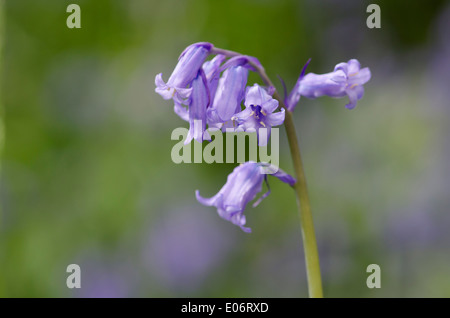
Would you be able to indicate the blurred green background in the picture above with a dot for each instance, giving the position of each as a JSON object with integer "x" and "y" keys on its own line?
{"x": 87, "y": 178}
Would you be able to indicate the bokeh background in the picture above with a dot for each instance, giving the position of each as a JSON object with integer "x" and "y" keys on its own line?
{"x": 87, "y": 178}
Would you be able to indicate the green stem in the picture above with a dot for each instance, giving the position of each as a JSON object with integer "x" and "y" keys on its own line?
{"x": 306, "y": 220}
{"x": 309, "y": 237}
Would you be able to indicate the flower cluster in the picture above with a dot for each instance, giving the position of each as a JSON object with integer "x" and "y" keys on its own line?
{"x": 210, "y": 93}
{"x": 214, "y": 93}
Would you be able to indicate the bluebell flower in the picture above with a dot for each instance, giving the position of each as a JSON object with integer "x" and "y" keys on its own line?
{"x": 189, "y": 63}
{"x": 231, "y": 91}
{"x": 242, "y": 186}
{"x": 259, "y": 112}
{"x": 212, "y": 72}
{"x": 346, "y": 79}
{"x": 229, "y": 95}
{"x": 198, "y": 102}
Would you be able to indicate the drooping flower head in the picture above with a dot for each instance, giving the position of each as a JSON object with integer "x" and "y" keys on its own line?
{"x": 259, "y": 112}
{"x": 346, "y": 79}
{"x": 242, "y": 186}
{"x": 217, "y": 88}
{"x": 189, "y": 63}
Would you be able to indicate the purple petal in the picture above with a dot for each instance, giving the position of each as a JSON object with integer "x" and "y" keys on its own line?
{"x": 181, "y": 111}
{"x": 197, "y": 108}
{"x": 359, "y": 91}
{"x": 286, "y": 178}
{"x": 270, "y": 106}
{"x": 353, "y": 66}
{"x": 256, "y": 95}
{"x": 240, "y": 220}
{"x": 159, "y": 82}
{"x": 257, "y": 202}
{"x": 243, "y": 115}
{"x": 212, "y": 73}
{"x": 185, "y": 71}
{"x": 360, "y": 78}
{"x": 212, "y": 67}
{"x": 275, "y": 119}
{"x": 316, "y": 85}
{"x": 207, "y": 201}
{"x": 342, "y": 67}
{"x": 162, "y": 89}
{"x": 230, "y": 92}
{"x": 354, "y": 94}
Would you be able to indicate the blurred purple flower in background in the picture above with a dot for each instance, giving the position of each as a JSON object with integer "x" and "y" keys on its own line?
{"x": 107, "y": 276}
{"x": 242, "y": 186}
{"x": 184, "y": 248}
{"x": 346, "y": 79}
{"x": 103, "y": 284}
{"x": 412, "y": 229}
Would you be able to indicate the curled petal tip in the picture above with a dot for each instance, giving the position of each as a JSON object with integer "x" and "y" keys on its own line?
{"x": 204, "y": 201}
{"x": 246, "y": 229}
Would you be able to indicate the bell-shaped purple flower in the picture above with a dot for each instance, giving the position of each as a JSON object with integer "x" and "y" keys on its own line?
{"x": 229, "y": 95}
{"x": 189, "y": 63}
{"x": 346, "y": 79}
{"x": 242, "y": 186}
{"x": 259, "y": 112}
{"x": 198, "y": 102}
{"x": 212, "y": 71}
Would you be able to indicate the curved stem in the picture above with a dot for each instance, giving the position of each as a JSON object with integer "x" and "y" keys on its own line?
{"x": 306, "y": 220}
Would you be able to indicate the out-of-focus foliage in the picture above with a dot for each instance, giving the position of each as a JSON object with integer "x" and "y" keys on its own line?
{"x": 87, "y": 176}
